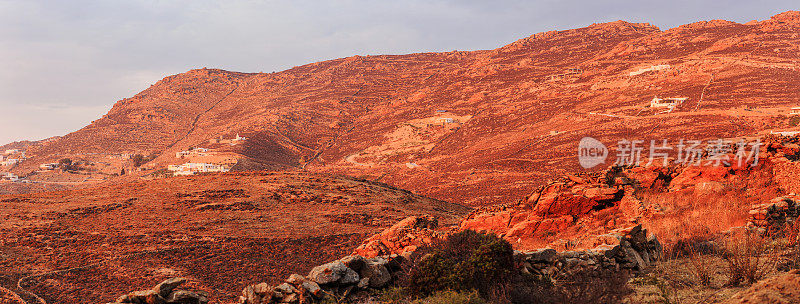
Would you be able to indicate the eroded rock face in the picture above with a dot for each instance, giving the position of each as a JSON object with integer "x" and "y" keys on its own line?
{"x": 553, "y": 212}
{"x": 775, "y": 215}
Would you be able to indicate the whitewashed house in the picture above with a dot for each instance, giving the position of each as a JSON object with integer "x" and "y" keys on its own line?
{"x": 11, "y": 177}
{"x": 667, "y": 102}
{"x": 10, "y": 162}
{"x": 192, "y": 168}
{"x": 50, "y": 166}
{"x": 195, "y": 152}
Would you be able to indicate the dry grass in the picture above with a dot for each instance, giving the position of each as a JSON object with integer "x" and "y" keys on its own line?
{"x": 750, "y": 257}
{"x": 689, "y": 216}
{"x": 700, "y": 266}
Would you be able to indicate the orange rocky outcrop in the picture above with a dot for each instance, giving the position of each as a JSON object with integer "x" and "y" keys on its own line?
{"x": 564, "y": 209}
{"x": 402, "y": 238}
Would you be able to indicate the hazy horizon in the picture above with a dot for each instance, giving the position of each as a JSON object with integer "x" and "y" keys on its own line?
{"x": 66, "y": 64}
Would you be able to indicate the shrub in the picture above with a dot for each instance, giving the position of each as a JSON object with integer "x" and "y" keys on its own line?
{"x": 465, "y": 261}
{"x": 794, "y": 121}
{"x": 700, "y": 266}
{"x": 139, "y": 159}
{"x": 747, "y": 258}
{"x": 612, "y": 174}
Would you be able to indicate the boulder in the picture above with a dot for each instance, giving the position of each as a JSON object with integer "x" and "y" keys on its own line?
{"x": 146, "y": 297}
{"x": 263, "y": 289}
{"x": 333, "y": 272}
{"x": 295, "y": 279}
{"x": 286, "y": 288}
{"x": 186, "y": 297}
{"x": 312, "y": 288}
{"x": 165, "y": 288}
{"x": 250, "y": 296}
{"x": 354, "y": 262}
{"x": 376, "y": 271}
{"x": 405, "y": 236}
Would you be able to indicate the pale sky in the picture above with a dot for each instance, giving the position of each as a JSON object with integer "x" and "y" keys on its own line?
{"x": 65, "y": 63}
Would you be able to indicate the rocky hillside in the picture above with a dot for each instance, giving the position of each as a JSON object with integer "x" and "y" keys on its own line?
{"x": 224, "y": 231}
{"x": 478, "y": 127}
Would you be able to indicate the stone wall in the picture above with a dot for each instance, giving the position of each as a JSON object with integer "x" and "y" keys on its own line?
{"x": 775, "y": 215}
{"x": 624, "y": 249}
{"x": 628, "y": 249}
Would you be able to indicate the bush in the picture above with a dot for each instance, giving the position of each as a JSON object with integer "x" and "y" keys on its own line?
{"x": 453, "y": 297}
{"x": 66, "y": 164}
{"x": 139, "y": 159}
{"x": 747, "y": 257}
{"x": 700, "y": 266}
{"x": 794, "y": 121}
{"x": 464, "y": 261}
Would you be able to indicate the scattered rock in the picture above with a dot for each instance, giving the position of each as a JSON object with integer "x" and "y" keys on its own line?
{"x": 333, "y": 272}
{"x": 167, "y": 292}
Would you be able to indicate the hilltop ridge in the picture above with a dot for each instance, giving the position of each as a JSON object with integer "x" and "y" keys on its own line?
{"x": 474, "y": 127}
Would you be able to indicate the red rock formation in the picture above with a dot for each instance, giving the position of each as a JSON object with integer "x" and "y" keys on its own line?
{"x": 404, "y": 237}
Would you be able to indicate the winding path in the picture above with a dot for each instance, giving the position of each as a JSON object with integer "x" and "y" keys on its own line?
{"x": 197, "y": 118}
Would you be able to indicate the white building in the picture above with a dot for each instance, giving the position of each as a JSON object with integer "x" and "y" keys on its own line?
{"x": 10, "y": 162}
{"x": 795, "y": 111}
{"x": 649, "y": 69}
{"x": 11, "y": 177}
{"x": 50, "y": 166}
{"x": 785, "y": 133}
{"x": 195, "y": 152}
{"x": 192, "y": 168}
{"x": 12, "y": 151}
{"x": 667, "y": 102}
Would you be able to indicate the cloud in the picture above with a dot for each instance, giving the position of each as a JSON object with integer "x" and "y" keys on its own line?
{"x": 84, "y": 55}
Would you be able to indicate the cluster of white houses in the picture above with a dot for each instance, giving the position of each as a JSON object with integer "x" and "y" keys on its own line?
{"x": 192, "y": 152}
{"x": 236, "y": 140}
{"x": 192, "y": 168}
{"x": 12, "y": 157}
{"x": 9, "y": 177}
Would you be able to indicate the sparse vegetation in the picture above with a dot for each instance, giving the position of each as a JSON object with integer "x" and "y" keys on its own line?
{"x": 465, "y": 261}
{"x": 700, "y": 266}
{"x": 452, "y": 297}
{"x": 139, "y": 159}
{"x": 66, "y": 164}
{"x": 794, "y": 121}
{"x": 748, "y": 257}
